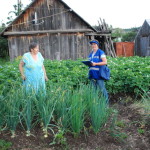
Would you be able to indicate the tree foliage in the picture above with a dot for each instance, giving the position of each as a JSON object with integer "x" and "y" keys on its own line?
{"x": 18, "y": 8}
{"x": 129, "y": 36}
{"x": 3, "y": 44}
{"x": 124, "y": 35}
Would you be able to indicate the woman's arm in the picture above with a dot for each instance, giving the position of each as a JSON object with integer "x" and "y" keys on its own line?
{"x": 21, "y": 64}
{"x": 46, "y": 78}
{"x": 104, "y": 62}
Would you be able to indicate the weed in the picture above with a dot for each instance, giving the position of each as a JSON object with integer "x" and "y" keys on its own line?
{"x": 4, "y": 145}
{"x": 120, "y": 124}
{"x": 141, "y": 131}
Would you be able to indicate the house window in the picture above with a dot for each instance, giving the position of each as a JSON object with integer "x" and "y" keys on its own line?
{"x": 34, "y": 18}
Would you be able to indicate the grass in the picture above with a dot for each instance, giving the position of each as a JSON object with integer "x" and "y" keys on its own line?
{"x": 143, "y": 106}
{"x": 115, "y": 132}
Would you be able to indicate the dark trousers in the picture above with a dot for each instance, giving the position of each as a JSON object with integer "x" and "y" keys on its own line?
{"x": 101, "y": 85}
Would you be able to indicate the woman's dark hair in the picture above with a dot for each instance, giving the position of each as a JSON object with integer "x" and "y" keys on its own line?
{"x": 32, "y": 45}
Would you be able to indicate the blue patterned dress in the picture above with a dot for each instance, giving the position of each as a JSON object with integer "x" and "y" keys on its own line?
{"x": 34, "y": 73}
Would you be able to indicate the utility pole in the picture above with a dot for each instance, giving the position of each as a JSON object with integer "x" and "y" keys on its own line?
{"x": 18, "y": 8}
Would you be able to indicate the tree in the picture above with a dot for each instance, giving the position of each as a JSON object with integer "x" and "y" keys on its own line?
{"x": 3, "y": 43}
{"x": 129, "y": 36}
{"x": 18, "y": 8}
{"x": 117, "y": 33}
{"x": 124, "y": 35}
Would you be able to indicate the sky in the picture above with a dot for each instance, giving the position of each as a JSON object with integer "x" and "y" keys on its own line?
{"x": 118, "y": 13}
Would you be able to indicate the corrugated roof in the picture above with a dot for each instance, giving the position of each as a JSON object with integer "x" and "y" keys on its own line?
{"x": 33, "y": 3}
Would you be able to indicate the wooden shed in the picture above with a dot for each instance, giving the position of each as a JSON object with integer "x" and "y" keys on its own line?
{"x": 142, "y": 40}
{"x": 60, "y": 32}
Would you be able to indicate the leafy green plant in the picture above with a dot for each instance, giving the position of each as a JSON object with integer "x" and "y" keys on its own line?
{"x": 120, "y": 124}
{"x": 128, "y": 74}
{"x": 4, "y": 145}
{"x": 141, "y": 131}
{"x": 59, "y": 138}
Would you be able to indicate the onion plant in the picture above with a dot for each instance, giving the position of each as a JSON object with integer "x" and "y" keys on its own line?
{"x": 77, "y": 112}
{"x": 98, "y": 112}
{"x": 13, "y": 103}
{"x": 45, "y": 105}
{"x": 62, "y": 109}
{"x": 28, "y": 111}
{"x": 2, "y": 112}
{"x": 97, "y": 107}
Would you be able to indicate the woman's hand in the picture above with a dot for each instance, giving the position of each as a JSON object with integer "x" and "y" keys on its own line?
{"x": 21, "y": 64}
{"x": 46, "y": 78}
{"x": 94, "y": 64}
{"x": 23, "y": 77}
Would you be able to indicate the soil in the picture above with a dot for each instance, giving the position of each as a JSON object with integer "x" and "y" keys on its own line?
{"x": 131, "y": 132}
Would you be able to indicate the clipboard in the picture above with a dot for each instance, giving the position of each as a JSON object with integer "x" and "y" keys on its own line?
{"x": 87, "y": 63}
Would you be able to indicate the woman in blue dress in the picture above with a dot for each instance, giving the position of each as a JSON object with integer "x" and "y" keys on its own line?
{"x": 32, "y": 69}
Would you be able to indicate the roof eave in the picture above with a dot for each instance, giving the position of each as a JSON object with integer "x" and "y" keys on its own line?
{"x": 17, "y": 18}
{"x": 1, "y": 34}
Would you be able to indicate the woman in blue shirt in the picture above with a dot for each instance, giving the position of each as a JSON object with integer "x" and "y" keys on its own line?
{"x": 32, "y": 70}
{"x": 98, "y": 58}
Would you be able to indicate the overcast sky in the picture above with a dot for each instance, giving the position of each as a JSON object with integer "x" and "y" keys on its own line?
{"x": 118, "y": 13}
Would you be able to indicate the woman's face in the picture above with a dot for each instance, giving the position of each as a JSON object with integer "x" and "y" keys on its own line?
{"x": 94, "y": 46}
{"x": 35, "y": 50}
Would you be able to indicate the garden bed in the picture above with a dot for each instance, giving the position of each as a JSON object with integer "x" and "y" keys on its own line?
{"x": 71, "y": 114}
{"x": 130, "y": 132}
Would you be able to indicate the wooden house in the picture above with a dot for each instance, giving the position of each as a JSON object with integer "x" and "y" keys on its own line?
{"x": 60, "y": 32}
{"x": 142, "y": 40}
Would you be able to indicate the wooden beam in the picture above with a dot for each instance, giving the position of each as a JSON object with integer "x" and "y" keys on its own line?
{"x": 47, "y": 31}
{"x": 98, "y": 34}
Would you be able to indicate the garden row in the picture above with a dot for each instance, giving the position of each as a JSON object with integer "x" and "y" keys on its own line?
{"x": 60, "y": 108}
{"x": 128, "y": 75}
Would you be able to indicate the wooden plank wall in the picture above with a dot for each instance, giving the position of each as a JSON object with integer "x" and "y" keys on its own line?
{"x": 52, "y": 46}
{"x": 142, "y": 41}
{"x": 56, "y": 19}
{"x": 137, "y": 50}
